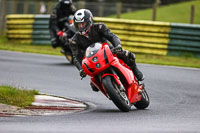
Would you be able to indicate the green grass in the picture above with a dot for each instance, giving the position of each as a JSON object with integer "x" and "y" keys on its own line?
{"x": 17, "y": 97}
{"x": 177, "y": 13}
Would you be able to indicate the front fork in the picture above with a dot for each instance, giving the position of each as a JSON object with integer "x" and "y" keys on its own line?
{"x": 117, "y": 79}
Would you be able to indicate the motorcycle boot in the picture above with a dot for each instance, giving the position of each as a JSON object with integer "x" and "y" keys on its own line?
{"x": 138, "y": 74}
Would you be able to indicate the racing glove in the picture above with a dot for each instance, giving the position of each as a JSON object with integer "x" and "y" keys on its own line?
{"x": 117, "y": 49}
{"x": 82, "y": 73}
{"x": 62, "y": 35}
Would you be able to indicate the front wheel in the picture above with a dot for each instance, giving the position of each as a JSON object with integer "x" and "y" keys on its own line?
{"x": 118, "y": 96}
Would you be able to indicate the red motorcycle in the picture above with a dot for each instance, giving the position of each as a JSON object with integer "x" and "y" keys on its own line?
{"x": 114, "y": 78}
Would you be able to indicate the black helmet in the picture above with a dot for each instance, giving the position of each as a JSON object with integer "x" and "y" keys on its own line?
{"x": 81, "y": 16}
{"x": 66, "y": 2}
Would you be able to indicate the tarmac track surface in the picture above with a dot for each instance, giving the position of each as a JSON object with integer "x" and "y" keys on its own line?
{"x": 174, "y": 93}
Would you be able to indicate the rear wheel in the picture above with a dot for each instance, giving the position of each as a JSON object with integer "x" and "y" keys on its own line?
{"x": 144, "y": 102}
{"x": 69, "y": 58}
{"x": 118, "y": 96}
{"x": 67, "y": 53}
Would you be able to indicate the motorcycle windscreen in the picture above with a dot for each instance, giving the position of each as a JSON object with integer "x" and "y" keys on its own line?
{"x": 92, "y": 50}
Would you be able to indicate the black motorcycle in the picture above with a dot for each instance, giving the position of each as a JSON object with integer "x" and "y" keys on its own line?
{"x": 69, "y": 30}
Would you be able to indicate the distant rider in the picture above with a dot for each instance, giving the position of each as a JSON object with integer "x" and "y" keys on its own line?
{"x": 89, "y": 33}
{"x": 57, "y": 20}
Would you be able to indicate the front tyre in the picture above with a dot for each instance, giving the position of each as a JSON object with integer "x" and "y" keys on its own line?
{"x": 118, "y": 96}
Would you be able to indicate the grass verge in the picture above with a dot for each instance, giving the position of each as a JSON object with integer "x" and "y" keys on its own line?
{"x": 17, "y": 97}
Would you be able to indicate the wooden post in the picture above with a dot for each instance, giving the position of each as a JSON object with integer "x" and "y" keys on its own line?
{"x": 101, "y": 9}
{"x": 154, "y": 12}
{"x": 118, "y": 9}
{"x": 37, "y": 10}
{"x": 155, "y": 6}
{"x": 26, "y": 6}
{"x": 50, "y": 6}
{"x": 81, "y": 4}
{"x": 14, "y": 6}
{"x": 192, "y": 14}
{"x": 3, "y": 6}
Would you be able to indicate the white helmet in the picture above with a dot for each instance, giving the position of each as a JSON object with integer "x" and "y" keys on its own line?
{"x": 66, "y": 2}
{"x": 81, "y": 16}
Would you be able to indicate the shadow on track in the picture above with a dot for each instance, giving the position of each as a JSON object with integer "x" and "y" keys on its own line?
{"x": 118, "y": 111}
{"x": 60, "y": 64}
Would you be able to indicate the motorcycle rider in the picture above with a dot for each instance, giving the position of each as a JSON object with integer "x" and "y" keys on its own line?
{"x": 89, "y": 33}
{"x": 57, "y": 20}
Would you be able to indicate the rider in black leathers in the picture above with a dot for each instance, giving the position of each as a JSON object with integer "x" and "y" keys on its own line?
{"x": 57, "y": 20}
{"x": 89, "y": 33}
